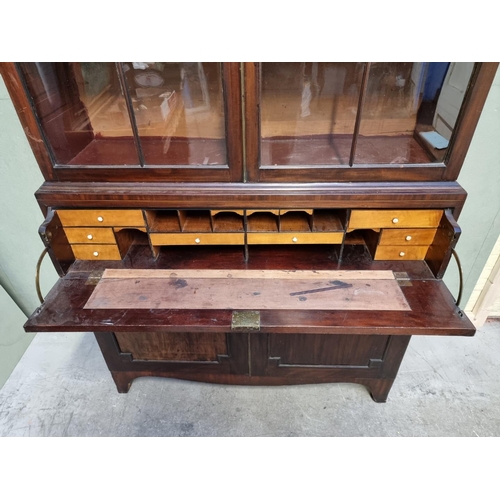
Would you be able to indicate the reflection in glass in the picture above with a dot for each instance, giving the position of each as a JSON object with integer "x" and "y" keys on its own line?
{"x": 410, "y": 111}
{"x": 82, "y": 112}
{"x": 179, "y": 112}
{"x": 308, "y": 112}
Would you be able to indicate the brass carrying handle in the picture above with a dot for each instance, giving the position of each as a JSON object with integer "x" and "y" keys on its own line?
{"x": 37, "y": 275}
{"x": 461, "y": 277}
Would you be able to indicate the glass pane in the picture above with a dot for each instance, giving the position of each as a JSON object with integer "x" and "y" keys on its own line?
{"x": 179, "y": 110}
{"x": 410, "y": 111}
{"x": 308, "y": 112}
{"x": 82, "y": 112}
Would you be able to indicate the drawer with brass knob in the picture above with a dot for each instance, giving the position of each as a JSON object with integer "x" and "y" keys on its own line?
{"x": 90, "y": 235}
{"x": 400, "y": 253}
{"x": 413, "y": 237}
{"x": 294, "y": 238}
{"x": 104, "y": 218}
{"x": 375, "y": 219}
{"x": 96, "y": 252}
{"x": 159, "y": 239}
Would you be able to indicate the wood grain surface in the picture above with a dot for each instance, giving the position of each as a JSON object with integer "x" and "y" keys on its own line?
{"x": 246, "y": 293}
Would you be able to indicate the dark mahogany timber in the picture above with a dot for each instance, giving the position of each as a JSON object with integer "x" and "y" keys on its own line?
{"x": 234, "y": 121}
{"x": 445, "y": 240}
{"x": 252, "y": 362}
{"x": 22, "y": 103}
{"x": 250, "y": 195}
{"x": 83, "y": 170}
{"x": 116, "y": 172}
{"x": 251, "y": 80}
{"x": 469, "y": 117}
{"x": 433, "y": 309}
{"x": 259, "y": 171}
{"x": 54, "y": 238}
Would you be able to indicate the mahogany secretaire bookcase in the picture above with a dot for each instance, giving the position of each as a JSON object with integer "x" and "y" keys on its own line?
{"x": 250, "y": 223}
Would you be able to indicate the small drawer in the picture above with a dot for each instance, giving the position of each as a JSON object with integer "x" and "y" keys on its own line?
{"x": 96, "y": 252}
{"x": 101, "y": 218}
{"x": 374, "y": 219}
{"x": 158, "y": 239}
{"x": 407, "y": 237}
{"x": 294, "y": 238}
{"x": 400, "y": 253}
{"x": 90, "y": 235}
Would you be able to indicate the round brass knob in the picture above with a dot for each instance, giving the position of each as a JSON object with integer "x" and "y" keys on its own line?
{"x": 89, "y": 236}
{"x": 295, "y": 239}
{"x": 96, "y": 254}
{"x": 197, "y": 240}
{"x": 100, "y": 219}
{"x": 395, "y": 220}
{"x": 408, "y": 238}
{"x": 401, "y": 254}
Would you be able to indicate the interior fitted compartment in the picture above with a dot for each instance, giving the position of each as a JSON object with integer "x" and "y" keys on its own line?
{"x": 227, "y": 221}
{"x": 390, "y": 235}
{"x": 258, "y": 221}
{"x": 262, "y": 221}
{"x": 295, "y": 221}
{"x": 163, "y": 221}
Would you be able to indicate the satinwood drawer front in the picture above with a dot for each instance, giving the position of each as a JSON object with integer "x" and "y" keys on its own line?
{"x": 90, "y": 235}
{"x": 407, "y": 237}
{"x": 373, "y": 219}
{"x": 158, "y": 239}
{"x": 104, "y": 218}
{"x": 96, "y": 252}
{"x": 400, "y": 252}
{"x": 291, "y": 238}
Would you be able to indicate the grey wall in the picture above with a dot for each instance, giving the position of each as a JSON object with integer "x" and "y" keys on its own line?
{"x": 480, "y": 177}
{"x": 20, "y": 245}
{"x": 13, "y": 340}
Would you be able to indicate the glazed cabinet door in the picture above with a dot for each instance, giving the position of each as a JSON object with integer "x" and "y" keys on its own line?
{"x": 137, "y": 121}
{"x": 330, "y": 122}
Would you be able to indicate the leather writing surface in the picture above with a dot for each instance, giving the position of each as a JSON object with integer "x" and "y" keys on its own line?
{"x": 179, "y": 292}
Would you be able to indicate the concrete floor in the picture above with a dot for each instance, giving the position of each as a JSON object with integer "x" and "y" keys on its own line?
{"x": 446, "y": 387}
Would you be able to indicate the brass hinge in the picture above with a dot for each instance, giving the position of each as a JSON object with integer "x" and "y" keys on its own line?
{"x": 402, "y": 278}
{"x": 246, "y": 321}
{"x": 46, "y": 237}
{"x": 94, "y": 278}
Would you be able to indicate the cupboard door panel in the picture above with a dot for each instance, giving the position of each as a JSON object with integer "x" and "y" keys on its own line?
{"x": 82, "y": 111}
{"x": 179, "y": 112}
{"x": 138, "y": 121}
{"x": 368, "y": 122}
{"x": 173, "y": 346}
{"x": 303, "y": 349}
